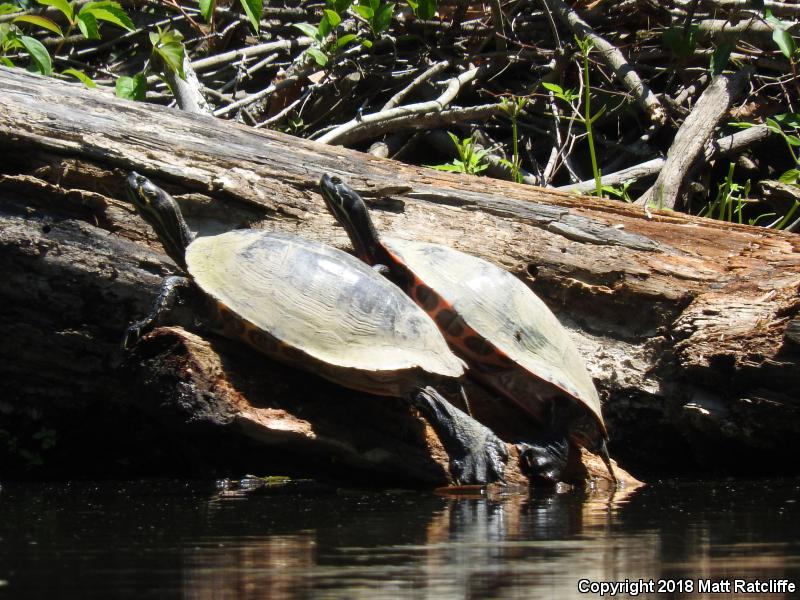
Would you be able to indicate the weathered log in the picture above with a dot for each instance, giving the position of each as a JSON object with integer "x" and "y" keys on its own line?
{"x": 681, "y": 319}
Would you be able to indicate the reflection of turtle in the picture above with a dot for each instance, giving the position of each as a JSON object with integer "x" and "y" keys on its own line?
{"x": 320, "y": 309}
{"x": 509, "y": 338}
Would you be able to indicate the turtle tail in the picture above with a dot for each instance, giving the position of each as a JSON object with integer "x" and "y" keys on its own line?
{"x": 607, "y": 459}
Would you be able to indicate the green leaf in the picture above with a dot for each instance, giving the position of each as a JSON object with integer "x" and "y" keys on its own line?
{"x": 553, "y": 87}
{"x": 80, "y": 76}
{"x": 773, "y": 125}
{"x": 790, "y": 177}
{"x": 131, "y": 88}
{"x": 789, "y": 120}
{"x": 682, "y": 46}
{"x": 318, "y": 56}
{"x": 454, "y": 168}
{"x": 207, "y": 9}
{"x": 345, "y": 39}
{"x": 6, "y": 61}
{"x": 365, "y": 12}
{"x": 426, "y": 9}
{"x": 340, "y": 6}
{"x": 785, "y": 42}
{"x": 42, "y": 22}
{"x": 62, "y": 5}
{"x": 7, "y": 9}
{"x": 108, "y": 11}
{"x": 9, "y": 37}
{"x": 168, "y": 45}
{"x": 383, "y": 17}
{"x": 741, "y": 125}
{"x": 88, "y": 26}
{"x": 253, "y": 9}
{"x": 309, "y": 30}
{"x": 333, "y": 18}
{"x": 366, "y": 43}
{"x": 38, "y": 53}
{"x": 720, "y": 58}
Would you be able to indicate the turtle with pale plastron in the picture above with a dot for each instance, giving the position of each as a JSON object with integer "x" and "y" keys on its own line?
{"x": 317, "y": 308}
{"x": 509, "y": 338}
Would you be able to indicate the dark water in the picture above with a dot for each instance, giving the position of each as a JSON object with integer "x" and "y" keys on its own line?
{"x": 179, "y": 540}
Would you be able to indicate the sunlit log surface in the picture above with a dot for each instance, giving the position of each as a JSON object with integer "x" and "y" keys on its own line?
{"x": 681, "y": 320}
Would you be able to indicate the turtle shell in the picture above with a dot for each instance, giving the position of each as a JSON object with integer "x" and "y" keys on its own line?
{"x": 494, "y": 317}
{"x": 320, "y": 308}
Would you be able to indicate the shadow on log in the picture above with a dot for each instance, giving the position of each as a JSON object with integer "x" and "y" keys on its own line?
{"x": 682, "y": 321}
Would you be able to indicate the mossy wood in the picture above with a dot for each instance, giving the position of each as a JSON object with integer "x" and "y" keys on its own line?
{"x": 681, "y": 320}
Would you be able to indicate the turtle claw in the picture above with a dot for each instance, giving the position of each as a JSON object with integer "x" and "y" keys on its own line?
{"x": 477, "y": 455}
{"x": 544, "y": 461}
{"x": 480, "y": 465}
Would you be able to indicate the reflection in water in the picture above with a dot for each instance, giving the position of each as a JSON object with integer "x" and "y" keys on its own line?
{"x": 181, "y": 541}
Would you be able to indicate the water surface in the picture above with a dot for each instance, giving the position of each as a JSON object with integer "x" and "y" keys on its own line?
{"x": 185, "y": 540}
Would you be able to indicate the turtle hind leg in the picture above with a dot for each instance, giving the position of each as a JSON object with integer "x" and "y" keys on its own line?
{"x": 544, "y": 460}
{"x": 171, "y": 289}
{"x": 477, "y": 455}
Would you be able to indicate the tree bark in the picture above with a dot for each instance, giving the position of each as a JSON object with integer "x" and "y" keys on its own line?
{"x": 682, "y": 320}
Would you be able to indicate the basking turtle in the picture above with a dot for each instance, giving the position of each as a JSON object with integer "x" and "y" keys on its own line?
{"x": 508, "y": 337}
{"x": 320, "y": 309}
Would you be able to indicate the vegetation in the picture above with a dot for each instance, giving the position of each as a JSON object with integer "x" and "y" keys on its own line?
{"x": 530, "y": 91}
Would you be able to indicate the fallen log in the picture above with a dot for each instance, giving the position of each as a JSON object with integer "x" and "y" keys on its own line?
{"x": 682, "y": 320}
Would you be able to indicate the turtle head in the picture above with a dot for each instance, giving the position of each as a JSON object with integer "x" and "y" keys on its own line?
{"x": 350, "y": 210}
{"x": 159, "y": 209}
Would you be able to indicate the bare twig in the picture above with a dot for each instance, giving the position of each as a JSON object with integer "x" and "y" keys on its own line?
{"x": 348, "y": 129}
{"x": 432, "y": 71}
{"x": 415, "y": 120}
{"x": 248, "y": 52}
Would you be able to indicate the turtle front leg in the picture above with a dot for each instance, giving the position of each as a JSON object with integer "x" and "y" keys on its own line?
{"x": 171, "y": 289}
{"x": 545, "y": 459}
{"x": 477, "y": 455}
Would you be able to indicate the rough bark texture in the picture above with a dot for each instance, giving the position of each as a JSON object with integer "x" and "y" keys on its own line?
{"x": 695, "y": 133}
{"x": 682, "y": 320}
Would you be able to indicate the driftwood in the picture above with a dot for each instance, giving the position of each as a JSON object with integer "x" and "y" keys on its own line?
{"x": 692, "y": 137}
{"x": 682, "y": 320}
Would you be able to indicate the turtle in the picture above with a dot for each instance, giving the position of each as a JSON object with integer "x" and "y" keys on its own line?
{"x": 511, "y": 341}
{"x": 318, "y": 308}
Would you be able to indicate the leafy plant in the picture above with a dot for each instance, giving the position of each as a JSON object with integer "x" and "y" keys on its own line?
{"x": 252, "y": 8}
{"x": 423, "y": 9}
{"x": 322, "y": 48}
{"x": 513, "y": 108}
{"x": 376, "y": 13}
{"x": 87, "y": 20}
{"x": 782, "y": 36}
{"x": 681, "y": 43}
{"x": 586, "y": 118}
{"x": 470, "y": 160}
{"x": 787, "y": 126}
{"x": 168, "y": 48}
{"x": 620, "y": 192}
{"x": 730, "y": 199}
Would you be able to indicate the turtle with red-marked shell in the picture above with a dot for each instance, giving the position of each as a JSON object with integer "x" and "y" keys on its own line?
{"x": 320, "y": 309}
{"x": 509, "y": 338}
